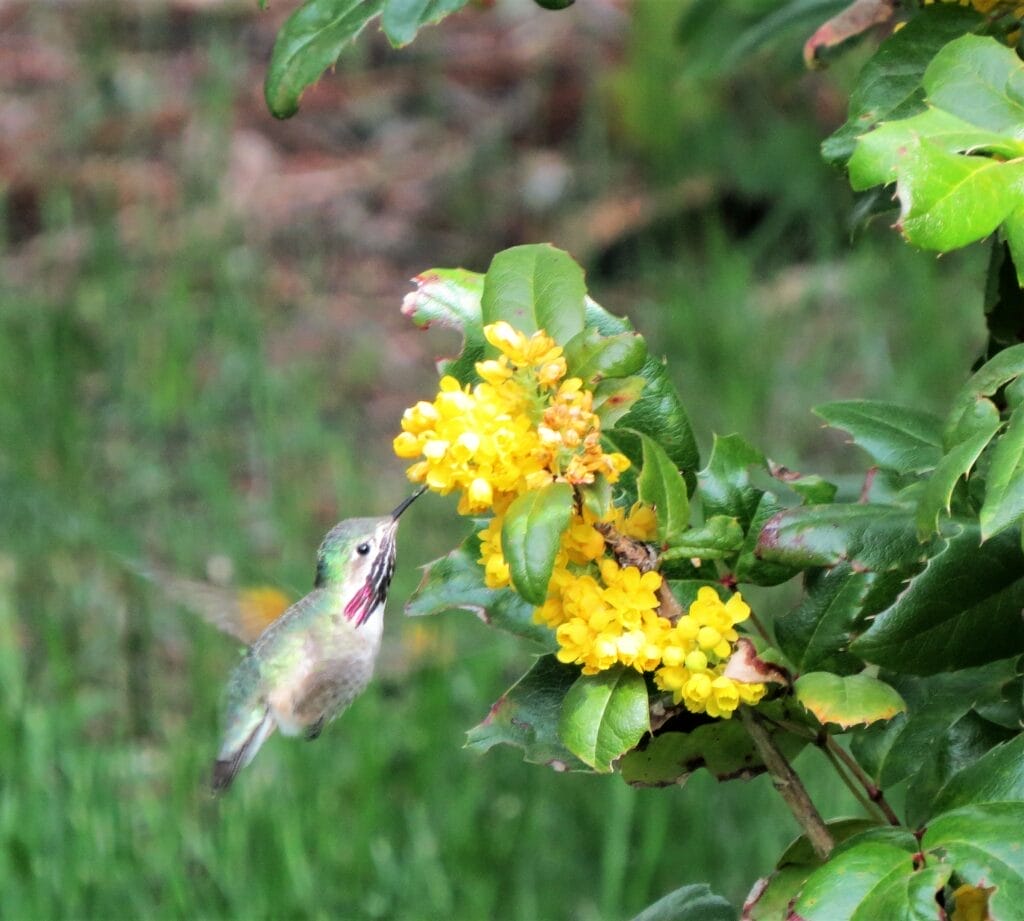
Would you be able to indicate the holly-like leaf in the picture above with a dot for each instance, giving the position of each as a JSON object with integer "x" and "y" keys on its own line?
{"x": 958, "y": 463}
{"x": 661, "y": 486}
{"x": 456, "y": 583}
{"x": 592, "y": 356}
{"x": 897, "y": 437}
{"x": 719, "y": 536}
{"x": 402, "y": 19}
{"x": 1004, "y": 485}
{"x": 451, "y": 298}
{"x": 965, "y": 419}
{"x": 817, "y": 634}
{"x": 604, "y": 716}
{"x": 874, "y": 537}
{"x": 962, "y": 609}
{"x": 309, "y": 42}
{"x": 530, "y": 537}
{"x": 615, "y": 397}
{"x": 535, "y": 287}
{"x": 751, "y": 567}
{"x": 996, "y": 776}
{"x": 889, "y": 86}
{"x": 527, "y": 716}
{"x": 690, "y": 903}
{"x": 725, "y": 484}
{"x": 854, "y": 20}
{"x": 847, "y": 700}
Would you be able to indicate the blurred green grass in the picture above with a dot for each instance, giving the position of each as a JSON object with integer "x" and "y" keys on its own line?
{"x": 154, "y": 407}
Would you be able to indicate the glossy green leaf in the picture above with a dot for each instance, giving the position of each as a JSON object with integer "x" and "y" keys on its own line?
{"x": 847, "y": 700}
{"x": 604, "y": 716}
{"x": 592, "y": 356}
{"x": 725, "y": 484}
{"x": 751, "y": 567}
{"x": 996, "y": 776}
{"x": 1004, "y": 484}
{"x": 451, "y": 298}
{"x": 535, "y": 287}
{"x": 889, "y": 86}
{"x": 615, "y": 397}
{"x": 875, "y": 537}
{"x": 817, "y": 634}
{"x": 531, "y": 535}
{"x": 527, "y": 716}
{"x": 962, "y": 609}
{"x": 897, "y": 437}
{"x": 456, "y": 583}
{"x": 661, "y": 486}
{"x": 1013, "y": 229}
{"x": 985, "y": 382}
{"x": 690, "y": 903}
{"x": 813, "y": 489}
{"x": 717, "y": 537}
{"x": 958, "y": 463}
{"x": 402, "y": 19}
{"x": 309, "y": 42}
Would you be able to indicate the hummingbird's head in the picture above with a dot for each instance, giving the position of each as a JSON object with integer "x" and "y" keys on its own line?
{"x": 360, "y": 552}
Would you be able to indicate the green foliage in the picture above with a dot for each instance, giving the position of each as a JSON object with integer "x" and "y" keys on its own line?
{"x": 604, "y": 716}
{"x": 661, "y": 486}
{"x": 531, "y": 535}
{"x": 690, "y": 903}
{"x": 847, "y": 700}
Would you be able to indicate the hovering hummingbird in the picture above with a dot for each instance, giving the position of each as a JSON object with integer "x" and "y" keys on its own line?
{"x": 316, "y": 658}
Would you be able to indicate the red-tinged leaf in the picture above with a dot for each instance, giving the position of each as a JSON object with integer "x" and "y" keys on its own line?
{"x": 847, "y": 700}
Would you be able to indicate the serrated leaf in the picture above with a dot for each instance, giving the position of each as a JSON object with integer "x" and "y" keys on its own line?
{"x": 897, "y": 437}
{"x": 615, "y": 397}
{"x": 604, "y": 716}
{"x": 995, "y": 777}
{"x": 1004, "y": 484}
{"x": 451, "y": 298}
{"x": 661, "y": 486}
{"x": 527, "y": 717}
{"x": 817, "y": 634}
{"x": 309, "y": 42}
{"x": 985, "y": 382}
{"x": 717, "y": 537}
{"x": 402, "y": 19}
{"x": 456, "y": 583}
{"x": 889, "y": 86}
{"x": 962, "y": 609}
{"x": 690, "y": 903}
{"x": 531, "y": 535}
{"x": 751, "y": 567}
{"x": 725, "y": 484}
{"x": 958, "y": 463}
{"x": 874, "y": 537}
{"x": 847, "y": 700}
{"x": 592, "y": 356}
{"x": 535, "y": 287}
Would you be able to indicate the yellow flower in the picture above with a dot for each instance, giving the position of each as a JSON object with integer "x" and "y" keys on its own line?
{"x": 496, "y": 572}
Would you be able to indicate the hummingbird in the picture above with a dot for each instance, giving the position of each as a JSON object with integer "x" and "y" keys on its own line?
{"x": 307, "y": 666}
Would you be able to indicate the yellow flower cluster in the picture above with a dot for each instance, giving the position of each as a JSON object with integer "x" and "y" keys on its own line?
{"x": 524, "y": 426}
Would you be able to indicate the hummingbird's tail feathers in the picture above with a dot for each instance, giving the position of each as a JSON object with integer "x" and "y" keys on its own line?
{"x": 231, "y": 760}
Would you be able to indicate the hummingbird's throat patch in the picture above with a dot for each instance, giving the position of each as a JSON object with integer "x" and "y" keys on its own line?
{"x": 374, "y": 591}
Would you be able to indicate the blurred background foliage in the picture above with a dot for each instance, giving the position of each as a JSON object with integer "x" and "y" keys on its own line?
{"x": 202, "y": 364}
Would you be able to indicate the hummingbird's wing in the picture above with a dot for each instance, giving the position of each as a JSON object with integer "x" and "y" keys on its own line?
{"x": 247, "y": 724}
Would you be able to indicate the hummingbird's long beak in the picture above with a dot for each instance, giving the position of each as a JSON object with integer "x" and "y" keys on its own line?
{"x": 407, "y": 502}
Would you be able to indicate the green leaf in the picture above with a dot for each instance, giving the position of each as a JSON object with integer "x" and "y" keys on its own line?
{"x": 958, "y": 463}
{"x": 889, "y": 86}
{"x": 309, "y": 42}
{"x": 615, "y": 397}
{"x": 1014, "y": 231}
{"x": 451, "y": 299}
{"x": 995, "y": 374}
{"x": 592, "y": 356}
{"x": 875, "y": 537}
{"x": 661, "y": 485}
{"x": 897, "y": 437}
{"x": 1004, "y": 485}
{"x": 750, "y": 566}
{"x": 996, "y": 776}
{"x": 402, "y": 19}
{"x": 847, "y": 701}
{"x": 530, "y": 537}
{"x": 535, "y": 287}
{"x": 817, "y": 634}
{"x": 962, "y": 609}
{"x": 690, "y": 903}
{"x": 717, "y": 537}
{"x": 604, "y": 716}
{"x": 722, "y": 747}
{"x": 456, "y": 583}
{"x": 725, "y": 484}
{"x": 527, "y": 716}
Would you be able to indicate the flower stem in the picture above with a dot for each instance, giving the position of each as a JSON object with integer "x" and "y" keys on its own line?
{"x": 788, "y": 784}
{"x": 869, "y": 807}
{"x": 874, "y": 793}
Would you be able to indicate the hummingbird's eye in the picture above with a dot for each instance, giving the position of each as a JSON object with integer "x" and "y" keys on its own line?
{"x": 363, "y": 549}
